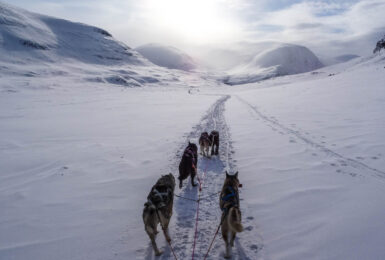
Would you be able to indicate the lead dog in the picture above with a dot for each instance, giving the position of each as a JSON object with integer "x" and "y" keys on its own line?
{"x": 231, "y": 214}
{"x": 188, "y": 164}
{"x": 204, "y": 142}
{"x": 214, "y": 139}
{"x": 158, "y": 209}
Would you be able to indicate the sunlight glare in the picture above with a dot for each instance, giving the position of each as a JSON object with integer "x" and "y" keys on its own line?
{"x": 198, "y": 21}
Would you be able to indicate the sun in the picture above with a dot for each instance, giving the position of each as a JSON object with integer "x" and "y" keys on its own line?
{"x": 197, "y": 21}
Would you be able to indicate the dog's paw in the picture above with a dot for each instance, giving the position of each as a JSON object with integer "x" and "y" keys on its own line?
{"x": 193, "y": 184}
{"x": 168, "y": 239}
{"x": 159, "y": 253}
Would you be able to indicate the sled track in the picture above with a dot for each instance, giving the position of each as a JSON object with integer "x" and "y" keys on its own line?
{"x": 342, "y": 159}
{"x": 182, "y": 225}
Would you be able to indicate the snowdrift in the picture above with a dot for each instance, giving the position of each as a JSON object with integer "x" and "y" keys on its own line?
{"x": 284, "y": 59}
{"x": 26, "y": 37}
{"x": 167, "y": 56}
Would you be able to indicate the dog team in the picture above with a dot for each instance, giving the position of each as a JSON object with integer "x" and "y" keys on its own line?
{"x": 159, "y": 205}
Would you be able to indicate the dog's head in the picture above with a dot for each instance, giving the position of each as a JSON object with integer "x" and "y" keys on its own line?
{"x": 193, "y": 146}
{"x": 171, "y": 179}
{"x": 232, "y": 180}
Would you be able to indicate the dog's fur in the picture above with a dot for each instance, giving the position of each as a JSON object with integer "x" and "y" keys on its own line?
{"x": 204, "y": 142}
{"x": 214, "y": 139}
{"x": 231, "y": 216}
{"x": 188, "y": 164}
{"x": 151, "y": 219}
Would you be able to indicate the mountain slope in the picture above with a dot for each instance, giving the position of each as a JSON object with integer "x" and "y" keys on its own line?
{"x": 167, "y": 56}
{"x": 284, "y": 59}
{"x": 28, "y": 36}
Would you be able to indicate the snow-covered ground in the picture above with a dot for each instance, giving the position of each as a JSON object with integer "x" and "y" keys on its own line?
{"x": 83, "y": 141}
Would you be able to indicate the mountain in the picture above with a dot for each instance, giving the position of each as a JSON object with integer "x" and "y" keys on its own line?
{"x": 167, "y": 56}
{"x": 26, "y": 36}
{"x": 280, "y": 60}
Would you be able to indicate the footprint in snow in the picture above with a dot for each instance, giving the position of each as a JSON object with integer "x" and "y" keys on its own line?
{"x": 254, "y": 248}
{"x": 292, "y": 141}
{"x": 374, "y": 157}
{"x": 249, "y": 228}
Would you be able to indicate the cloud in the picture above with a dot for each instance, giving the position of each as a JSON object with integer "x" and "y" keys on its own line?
{"x": 316, "y": 24}
{"x": 321, "y": 24}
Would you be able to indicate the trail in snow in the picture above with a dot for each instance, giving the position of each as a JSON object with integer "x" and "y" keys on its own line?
{"x": 211, "y": 171}
{"x": 343, "y": 160}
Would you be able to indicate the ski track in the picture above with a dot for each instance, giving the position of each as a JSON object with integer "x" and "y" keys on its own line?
{"x": 182, "y": 225}
{"x": 342, "y": 160}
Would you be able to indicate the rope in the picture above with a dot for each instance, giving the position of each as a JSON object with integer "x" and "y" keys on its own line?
{"x": 209, "y": 196}
{"x": 164, "y": 232}
{"x": 216, "y": 233}
{"x": 186, "y": 198}
{"x": 206, "y": 197}
{"x": 197, "y": 215}
{"x": 212, "y": 241}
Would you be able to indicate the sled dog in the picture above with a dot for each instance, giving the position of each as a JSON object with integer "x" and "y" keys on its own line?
{"x": 204, "y": 143}
{"x": 214, "y": 139}
{"x": 231, "y": 214}
{"x": 158, "y": 209}
{"x": 188, "y": 164}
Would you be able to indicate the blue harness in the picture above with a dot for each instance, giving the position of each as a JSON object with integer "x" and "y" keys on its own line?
{"x": 230, "y": 199}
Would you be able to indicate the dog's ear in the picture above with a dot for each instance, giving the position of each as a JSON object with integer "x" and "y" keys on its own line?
{"x": 227, "y": 175}
{"x": 236, "y": 175}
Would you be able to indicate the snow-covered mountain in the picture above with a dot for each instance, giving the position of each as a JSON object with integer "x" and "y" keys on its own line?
{"x": 284, "y": 59}
{"x": 26, "y": 36}
{"x": 167, "y": 56}
{"x": 34, "y": 45}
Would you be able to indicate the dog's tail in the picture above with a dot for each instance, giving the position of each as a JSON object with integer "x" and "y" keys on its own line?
{"x": 234, "y": 220}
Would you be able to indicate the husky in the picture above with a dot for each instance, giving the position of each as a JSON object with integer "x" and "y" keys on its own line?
{"x": 214, "y": 139}
{"x": 231, "y": 214}
{"x": 188, "y": 164}
{"x": 158, "y": 209}
{"x": 204, "y": 142}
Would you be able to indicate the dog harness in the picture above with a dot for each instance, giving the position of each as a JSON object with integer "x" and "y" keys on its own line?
{"x": 160, "y": 196}
{"x": 189, "y": 153}
{"x": 230, "y": 199}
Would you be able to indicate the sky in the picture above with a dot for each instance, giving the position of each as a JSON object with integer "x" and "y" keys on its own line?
{"x": 326, "y": 26}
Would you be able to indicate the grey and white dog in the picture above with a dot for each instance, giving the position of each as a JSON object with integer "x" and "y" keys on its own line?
{"x": 158, "y": 209}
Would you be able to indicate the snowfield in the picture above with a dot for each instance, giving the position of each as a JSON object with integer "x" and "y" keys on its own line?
{"x": 84, "y": 139}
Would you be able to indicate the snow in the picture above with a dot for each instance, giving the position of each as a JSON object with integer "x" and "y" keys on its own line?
{"x": 285, "y": 59}
{"x": 167, "y": 56}
{"x": 83, "y": 140}
{"x": 26, "y": 36}
{"x": 312, "y": 153}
